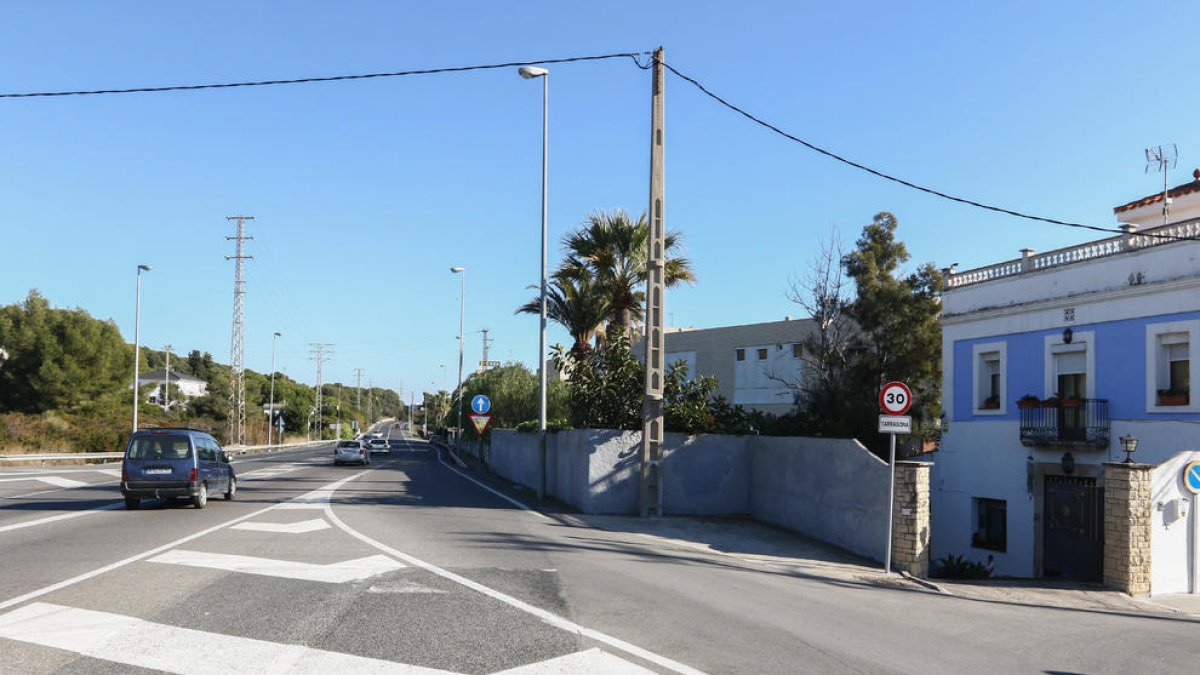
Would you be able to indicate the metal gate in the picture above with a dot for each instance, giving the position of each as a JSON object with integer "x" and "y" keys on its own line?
{"x": 1073, "y": 535}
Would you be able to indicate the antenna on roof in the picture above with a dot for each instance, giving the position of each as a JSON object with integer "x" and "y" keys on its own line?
{"x": 1162, "y": 158}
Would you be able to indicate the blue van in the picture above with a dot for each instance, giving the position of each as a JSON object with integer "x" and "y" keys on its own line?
{"x": 168, "y": 463}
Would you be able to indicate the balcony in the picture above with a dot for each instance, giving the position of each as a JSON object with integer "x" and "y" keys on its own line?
{"x": 1079, "y": 423}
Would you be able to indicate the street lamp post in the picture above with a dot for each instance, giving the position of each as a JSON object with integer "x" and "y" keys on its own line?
{"x": 271, "y": 404}
{"x": 529, "y": 73}
{"x": 137, "y": 340}
{"x": 462, "y": 302}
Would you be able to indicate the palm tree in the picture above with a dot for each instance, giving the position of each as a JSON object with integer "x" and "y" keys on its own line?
{"x": 580, "y": 306}
{"x": 612, "y": 251}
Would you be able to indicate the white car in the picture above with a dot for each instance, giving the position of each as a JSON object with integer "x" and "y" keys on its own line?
{"x": 379, "y": 445}
{"x": 351, "y": 452}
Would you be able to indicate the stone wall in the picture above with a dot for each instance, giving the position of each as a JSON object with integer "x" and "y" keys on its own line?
{"x": 1127, "y": 489}
{"x": 910, "y": 519}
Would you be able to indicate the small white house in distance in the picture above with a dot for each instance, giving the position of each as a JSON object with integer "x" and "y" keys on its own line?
{"x": 189, "y": 387}
{"x": 753, "y": 363}
{"x": 1048, "y": 360}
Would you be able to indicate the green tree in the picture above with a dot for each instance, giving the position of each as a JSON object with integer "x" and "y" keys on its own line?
{"x": 613, "y": 251}
{"x": 606, "y": 385}
{"x": 579, "y": 305}
{"x": 513, "y": 391}
{"x": 59, "y": 359}
{"x": 888, "y": 331}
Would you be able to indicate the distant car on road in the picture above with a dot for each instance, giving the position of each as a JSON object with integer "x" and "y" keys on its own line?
{"x": 167, "y": 463}
{"x": 378, "y": 445}
{"x": 351, "y": 452}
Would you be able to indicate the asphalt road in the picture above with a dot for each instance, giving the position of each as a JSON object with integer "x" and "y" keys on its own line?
{"x": 413, "y": 566}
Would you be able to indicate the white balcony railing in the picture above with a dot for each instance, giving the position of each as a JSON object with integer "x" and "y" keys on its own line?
{"x": 1102, "y": 248}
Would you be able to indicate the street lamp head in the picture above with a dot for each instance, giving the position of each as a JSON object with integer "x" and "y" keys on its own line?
{"x": 279, "y": 335}
{"x": 530, "y": 72}
{"x": 457, "y": 270}
{"x": 144, "y": 268}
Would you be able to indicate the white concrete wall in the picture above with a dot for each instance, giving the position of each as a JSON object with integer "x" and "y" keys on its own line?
{"x": 1173, "y": 541}
{"x": 829, "y": 489}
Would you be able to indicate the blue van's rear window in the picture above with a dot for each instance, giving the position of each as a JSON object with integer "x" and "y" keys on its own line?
{"x": 159, "y": 447}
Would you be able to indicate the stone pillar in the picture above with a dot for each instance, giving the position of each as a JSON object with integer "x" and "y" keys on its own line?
{"x": 1127, "y": 527}
{"x": 910, "y": 524}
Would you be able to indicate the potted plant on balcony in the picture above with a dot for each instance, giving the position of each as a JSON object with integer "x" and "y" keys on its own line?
{"x": 1052, "y": 402}
{"x": 1028, "y": 401}
{"x": 1173, "y": 397}
{"x": 1072, "y": 402}
{"x": 990, "y": 403}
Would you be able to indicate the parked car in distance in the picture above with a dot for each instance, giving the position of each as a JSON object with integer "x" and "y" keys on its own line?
{"x": 378, "y": 445}
{"x": 168, "y": 463}
{"x": 351, "y": 452}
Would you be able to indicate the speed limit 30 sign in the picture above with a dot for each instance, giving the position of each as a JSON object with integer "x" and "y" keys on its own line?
{"x": 895, "y": 398}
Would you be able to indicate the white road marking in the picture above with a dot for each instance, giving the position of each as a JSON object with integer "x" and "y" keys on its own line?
{"x": 115, "y": 473}
{"x": 333, "y": 573}
{"x": 590, "y": 661}
{"x": 155, "y": 646}
{"x": 548, "y": 617}
{"x": 314, "y": 525}
{"x": 317, "y": 499}
{"x": 145, "y": 554}
{"x": 61, "y": 516}
{"x": 56, "y": 481}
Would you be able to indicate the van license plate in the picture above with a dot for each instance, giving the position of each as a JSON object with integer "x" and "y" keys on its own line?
{"x": 157, "y": 471}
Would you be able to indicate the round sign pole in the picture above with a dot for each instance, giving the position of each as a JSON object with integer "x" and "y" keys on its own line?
{"x": 895, "y": 398}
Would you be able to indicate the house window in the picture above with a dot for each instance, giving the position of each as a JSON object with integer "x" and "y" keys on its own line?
{"x": 797, "y": 350}
{"x": 988, "y": 390}
{"x": 762, "y": 354}
{"x": 740, "y": 354}
{"x": 1071, "y": 368}
{"x": 1169, "y": 351}
{"x": 991, "y": 524}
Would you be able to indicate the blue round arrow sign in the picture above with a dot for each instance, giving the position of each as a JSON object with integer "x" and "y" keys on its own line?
{"x": 481, "y": 404}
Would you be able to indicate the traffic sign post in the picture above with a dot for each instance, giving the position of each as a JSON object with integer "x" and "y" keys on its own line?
{"x": 895, "y": 398}
{"x": 481, "y": 422}
{"x": 480, "y": 404}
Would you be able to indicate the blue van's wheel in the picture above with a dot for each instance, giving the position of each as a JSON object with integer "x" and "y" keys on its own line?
{"x": 132, "y": 503}
{"x": 232, "y": 491}
{"x": 201, "y": 498}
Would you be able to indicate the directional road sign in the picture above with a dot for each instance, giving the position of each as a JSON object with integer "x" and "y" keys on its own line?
{"x": 1191, "y": 477}
{"x": 481, "y": 404}
{"x": 481, "y": 422}
{"x": 895, "y": 398}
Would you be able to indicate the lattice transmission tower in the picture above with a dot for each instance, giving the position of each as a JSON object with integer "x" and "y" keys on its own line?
{"x": 237, "y": 342}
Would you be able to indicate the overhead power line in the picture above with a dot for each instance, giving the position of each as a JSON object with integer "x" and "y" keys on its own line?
{"x": 330, "y": 78}
{"x": 901, "y": 181}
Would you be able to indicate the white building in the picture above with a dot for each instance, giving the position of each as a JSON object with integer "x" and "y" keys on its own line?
{"x": 1102, "y": 336}
{"x": 754, "y": 363}
{"x": 189, "y": 387}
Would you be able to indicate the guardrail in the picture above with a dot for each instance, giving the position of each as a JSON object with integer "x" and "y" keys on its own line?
{"x": 83, "y": 456}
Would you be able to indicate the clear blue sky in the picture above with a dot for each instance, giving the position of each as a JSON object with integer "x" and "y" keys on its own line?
{"x": 366, "y": 192}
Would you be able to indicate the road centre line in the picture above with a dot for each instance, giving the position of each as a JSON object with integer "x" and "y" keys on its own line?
{"x": 548, "y": 617}
{"x": 145, "y": 554}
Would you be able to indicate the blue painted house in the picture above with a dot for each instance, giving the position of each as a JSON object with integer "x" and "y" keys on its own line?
{"x": 1048, "y": 360}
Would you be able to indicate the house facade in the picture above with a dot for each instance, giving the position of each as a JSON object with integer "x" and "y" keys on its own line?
{"x": 1050, "y": 361}
{"x": 754, "y": 363}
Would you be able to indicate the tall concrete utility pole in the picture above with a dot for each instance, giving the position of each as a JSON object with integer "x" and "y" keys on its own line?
{"x": 318, "y": 351}
{"x": 358, "y": 389}
{"x": 237, "y": 348}
{"x": 652, "y": 406}
{"x": 370, "y": 399}
{"x": 167, "y": 380}
{"x": 483, "y": 361}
